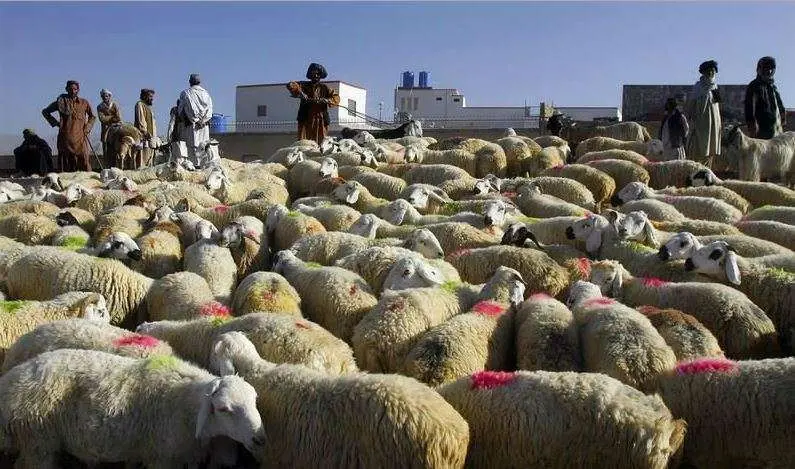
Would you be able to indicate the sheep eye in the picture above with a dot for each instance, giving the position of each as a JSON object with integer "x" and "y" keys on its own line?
{"x": 683, "y": 244}
{"x": 117, "y": 244}
{"x": 406, "y": 273}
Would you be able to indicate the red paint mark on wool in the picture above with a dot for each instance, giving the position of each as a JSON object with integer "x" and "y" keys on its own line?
{"x": 136, "y": 340}
{"x": 221, "y": 208}
{"x": 302, "y": 325}
{"x": 510, "y": 195}
{"x": 587, "y": 213}
{"x": 459, "y": 253}
{"x": 491, "y": 379}
{"x": 215, "y": 309}
{"x": 653, "y": 282}
{"x": 599, "y": 301}
{"x": 353, "y": 290}
{"x": 584, "y": 267}
{"x": 396, "y": 305}
{"x": 488, "y": 308}
{"x": 558, "y": 167}
{"x": 540, "y": 297}
{"x": 706, "y": 365}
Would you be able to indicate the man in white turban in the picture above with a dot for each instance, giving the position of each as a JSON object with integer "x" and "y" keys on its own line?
{"x": 109, "y": 113}
{"x": 195, "y": 110}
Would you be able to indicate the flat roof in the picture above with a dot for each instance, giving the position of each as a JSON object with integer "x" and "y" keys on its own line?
{"x": 285, "y": 84}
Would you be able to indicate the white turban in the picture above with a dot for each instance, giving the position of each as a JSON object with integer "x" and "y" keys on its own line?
{"x": 105, "y": 91}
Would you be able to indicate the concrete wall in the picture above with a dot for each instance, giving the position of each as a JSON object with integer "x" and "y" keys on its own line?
{"x": 647, "y": 102}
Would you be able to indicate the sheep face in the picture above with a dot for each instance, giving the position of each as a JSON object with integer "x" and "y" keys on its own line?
{"x": 679, "y": 246}
{"x": 349, "y": 145}
{"x": 208, "y": 153}
{"x": 590, "y": 230}
{"x": 282, "y": 259}
{"x": 75, "y": 192}
{"x": 329, "y": 168}
{"x": 366, "y": 226}
{"x": 414, "y": 129}
{"x": 634, "y": 225}
{"x": 632, "y": 191}
{"x": 607, "y": 276}
{"x": 294, "y": 156}
{"x": 509, "y": 132}
{"x": 52, "y": 181}
{"x": 716, "y": 259}
{"x": 364, "y": 138}
{"x": 348, "y": 192}
{"x": 119, "y": 246}
{"x": 232, "y": 235}
{"x": 229, "y": 408}
{"x": 582, "y": 291}
{"x": 274, "y": 216}
{"x": 329, "y": 146}
{"x": 122, "y": 183}
{"x": 95, "y": 308}
{"x": 412, "y": 272}
{"x": 654, "y": 149}
{"x": 215, "y": 180}
{"x": 109, "y": 174}
{"x": 495, "y": 212}
{"x": 425, "y": 243}
{"x": 66, "y": 219}
{"x": 484, "y": 186}
{"x": 205, "y": 230}
{"x": 396, "y": 211}
{"x": 161, "y": 214}
{"x": 413, "y": 155}
{"x": 702, "y": 177}
{"x": 512, "y": 280}
{"x": 368, "y": 157}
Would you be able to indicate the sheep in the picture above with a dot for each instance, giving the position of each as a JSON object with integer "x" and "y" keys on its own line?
{"x": 479, "y": 339}
{"x": 174, "y": 429}
{"x": 764, "y": 159}
{"x": 533, "y": 203}
{"x": 374, "y": 264}
{"x": 76, "y": 216}
{"x": 742, "y": 328}
{"x": 547, "y": 157}
{"x": 657, "y": 210}
{"x": 563, "y": 188}
{"x": 380, "y": 184}
{"x": 245, "y": 245}
{"x": 266, "y": 292}
{"x": 306, "y": 174}
{"x": 128, "y": 219}
{"x": 623, "y": 155}
{"x": 391, "y": 421}
{"x": 85, "y": 334}
{"x": 400, "y": 211}
{"x": 772, "y": 289}
{"x": 671, "y": 173}
{"x": 772, "y": 213}
{"x": 546, "y": 338}
{"x": 550, "y": 141}
{"x": 180, "y": 295}
{"x": 335, "y": 298}
{"x": 228, "y": 192}
{"x": 454, "y": 157}
{"x": 426, "y": 198}
{"x": 279, "y": 338}
{"x": 103, "y": 200}
{"x": 687, "y": 337}
{"x": 47, "y": 272}
{"x": 326, "y": 248}
{"x": 542, "y": 274}
{"x": 21, "y": 317}
{"x": 29, "y": 228}
{"x": 757, "y": 193}
{"x": 283, "y": 227}
{"x": 215, "y": 264}
{"x": 71, "y": 237}
{"x": 703, "y": 208}
{"x": 704, "y": 228}
{"x": 683, "y": 244}
{"x": 624, "y": 131}
{"x": 727, "y": 195}
{"x": 557, "y": 419}
{"x": 774, "y": 231}
{"x": 287, "y": 156}
{"x": 161, "y": 253}
{"x": 516, "y": 151}
{"x": 622, "y": 172}
{"x": 651, "y": 149}
{"x": 598, "y": 182}
{"x": 713, "y": 395}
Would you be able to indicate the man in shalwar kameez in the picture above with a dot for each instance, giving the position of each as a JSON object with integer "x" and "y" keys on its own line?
{"x": 316, "y": 97}
{"x": 195, "y": 111}
{"x": 76, "y": 120}
{"x": 703, "y": 111}
{"x": 109, "y": 114}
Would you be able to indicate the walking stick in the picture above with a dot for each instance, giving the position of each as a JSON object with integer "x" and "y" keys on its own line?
{"x": 94, "y": 153}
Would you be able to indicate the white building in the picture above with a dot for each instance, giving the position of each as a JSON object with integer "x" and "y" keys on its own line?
{"x": 591, "y": 113}
{"x": 270, "y": 108}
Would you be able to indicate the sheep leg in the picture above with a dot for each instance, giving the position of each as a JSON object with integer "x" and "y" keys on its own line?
{"x": 33, "y": 460}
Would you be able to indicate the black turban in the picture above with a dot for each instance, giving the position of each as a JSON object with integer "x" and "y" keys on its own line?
{"x": 766, "y": 61}
{"x": 708, "y": 65}
{"x": 316, "y": 67}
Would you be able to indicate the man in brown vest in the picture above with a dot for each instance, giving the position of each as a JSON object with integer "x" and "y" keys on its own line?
{"x": 76, "y": 120}
{"x": 145, "y": 122}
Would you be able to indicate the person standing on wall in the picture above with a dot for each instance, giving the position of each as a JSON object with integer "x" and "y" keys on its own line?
{"x": 703, "y": 111}
{"x": 74, "y": 126}
{"x": 764, "y": 112}
{"x": 313, "y": 118}
{"x": 673, "y": 131}
{"x": 145, "y": 122}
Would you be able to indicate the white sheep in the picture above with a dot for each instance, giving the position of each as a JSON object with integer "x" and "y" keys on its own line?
{"x": 757, "y": 193}
{"x": 624, "y": 131}
{"x": 687, "y": 337}
{"x": 180, "y": 295}
{"x": 266, "y": 292}
{"x": 764, "y": 159}
{"x": 652, "y": 149}
{"x": 215, "y": 264}
{"x": 702, "y": 208}
{"x": 546, "y": 337}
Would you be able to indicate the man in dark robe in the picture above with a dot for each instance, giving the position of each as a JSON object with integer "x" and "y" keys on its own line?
{"x": 313, "y": 118}
{"x": 76, "y": 120}
{"x": 34, "y": 156}
{"x": 764, "y": 111}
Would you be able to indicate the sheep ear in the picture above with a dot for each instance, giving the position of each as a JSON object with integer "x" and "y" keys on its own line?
{"x": 430, "y": 274}
{"x": 439, "y": 195}
{"x": 649, "y": 233}
{"x": 206, "y": 407}
{"x": 594, "y": 241}
{"x": 615, "y": 285}
{"x": 182, "y": 206}
{"x": 732, "y": 270}
{"x": 221, "y": 361}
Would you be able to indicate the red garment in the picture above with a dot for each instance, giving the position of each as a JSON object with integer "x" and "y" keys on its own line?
{"x": 76, "y": 119}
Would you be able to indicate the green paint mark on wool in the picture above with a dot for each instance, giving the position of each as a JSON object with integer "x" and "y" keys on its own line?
{"x": 161, "y": 362}
{"x": 313, "y": 265}
{"x": 219, "y": 320}
{"x": 293, "y": 214}
{"x": 781, "y": 274}
{"x": 451, "y": 286}
{"x": 639, "y": 247}
{"x": 11, "y": 306}
{"x": 74, "y": 242}
{"x": 525, "y": 219}
{"x": 451, "y": 208}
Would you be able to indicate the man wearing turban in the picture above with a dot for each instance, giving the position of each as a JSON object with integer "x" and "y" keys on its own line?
{"x": 316, "y": 97}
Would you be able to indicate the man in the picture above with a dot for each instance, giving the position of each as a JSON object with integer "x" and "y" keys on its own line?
{"x": 76, "y": 120}
{"x": 673, "y": 131}
{"x": 174, "y": 123}
{"x": 555, "y": 124}
{"x": 764, "y": 111}
{"x": 195, "y": 109}
{"x": 703, "y": 112}
{"x": 34, "y": 156}
{"x": 316, "y": 97}
{"x": 109, "y": 113}
{"x": 145, "y": 122}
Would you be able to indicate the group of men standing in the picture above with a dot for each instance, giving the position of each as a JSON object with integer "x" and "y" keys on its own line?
{"x": 189, "y": 122}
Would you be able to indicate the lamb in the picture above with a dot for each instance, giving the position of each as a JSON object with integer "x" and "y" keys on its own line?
{"x": 546, "y": 338}
{"x": 764, "y": 159}
{"x": 391, "y": 421}
{"x": 374, "y": 264}
{"x": 742, "y": 328}
{"x": 727, "y": 195}
{"x": 598, "y": 182}
{"x": 622, "y": 172}
{"x": 687, "y": 337}
{"x": 757, "y": 193}
{"x": 624, "y": 155}
{"x": 180, "y": 295}
{"x": 215, "y": 264}
{"x": 358, "y": 197}
{"x": 400, "y": 211}
{"x": 266, "y": 292}
{"x": 652, "y": 149}
{"x": 427, "y": 198}
{"x": 278, "y": 338}
{"x": 772, "y": 213}
{"x": 774, "y": 231}
{"x": 703, "y": 208}
{"x": 288, "y": 156}
{"x": 624, "y": 131}
{"x": 712, "y": 395}
{"x": 341, "y": 303}
{"x": 21, "y": 317}
{"x": 173, "y": 430}
{"x": 85, "y": 334}
{"x": 620, "y": 342}
{"x": 228, "y": 192}
{"x": 479, "y": 339}
{"x": 555, "y": 418}
{"x": 772, "y": 289}
{"x": 47, "y": 272}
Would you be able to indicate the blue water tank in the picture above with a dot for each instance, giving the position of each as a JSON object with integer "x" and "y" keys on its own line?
{"x": 408, "y": 80}
{"x": 423, "y": 80}
{"x": 217, "y": 124}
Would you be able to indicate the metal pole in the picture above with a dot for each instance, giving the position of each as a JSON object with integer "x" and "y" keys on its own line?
{"x": 94, "y": 153}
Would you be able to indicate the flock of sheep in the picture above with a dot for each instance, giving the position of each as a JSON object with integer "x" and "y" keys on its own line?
{"x": 404, "y": 303}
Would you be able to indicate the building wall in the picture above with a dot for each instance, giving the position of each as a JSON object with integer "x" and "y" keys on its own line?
{"x": 647, "y": 102}
{"x": 588, "y": 114}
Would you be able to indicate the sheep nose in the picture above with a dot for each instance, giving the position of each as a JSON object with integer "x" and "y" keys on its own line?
{"x": 440, "y": 254}
{"x": 135, "y": 255}
{"x": 570, "y": 233}
{"x": 622, "y": 231}
{"x": 615, "y": 200}
{"x": 663, "y": 253}
{"x": 689, "y": 264}
{"x": 488, "y": 221}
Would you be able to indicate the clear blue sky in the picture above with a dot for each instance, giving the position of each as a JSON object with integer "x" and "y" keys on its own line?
{"x": 498, "y": 54}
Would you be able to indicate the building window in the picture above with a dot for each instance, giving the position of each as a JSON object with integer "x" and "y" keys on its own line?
{"x": 351, "y": 107}
{"x": 262, "y": 110}
{"x": 456, "y": 100}
{"x": 438, "y": 99}
{"x": 416, "y": 103}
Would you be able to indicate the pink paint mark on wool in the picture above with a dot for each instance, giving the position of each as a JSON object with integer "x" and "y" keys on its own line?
{"x": 584, "y": 267}
{"x": 510, "y": 195}
{"x": 221, "y": 208}
{"x": 706, "y": 365}
{"x": 540, "y": 297}
{"x": 489, "y": 308}
{"x": 599, "y": 301}
{"x": 491, "y": 379}
{"x": 669, "y": 199}
{"x": 302, "y": 325}
{"x": 136, "y": 340}
{"x": 459, "y": 253}
{"x": 215, "y": 309}
{"x": 653, "y": 282}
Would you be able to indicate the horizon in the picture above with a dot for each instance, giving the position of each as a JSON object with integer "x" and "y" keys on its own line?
{"x": 571, "y": 53}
